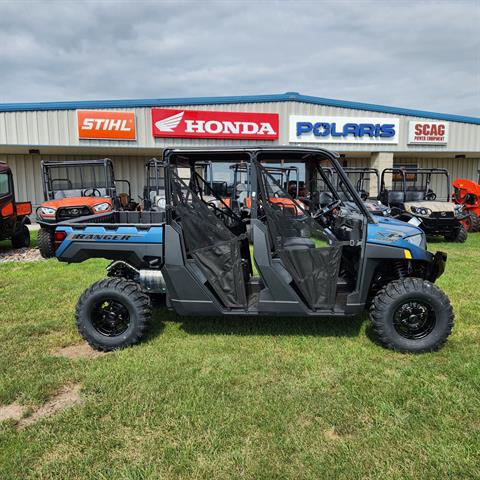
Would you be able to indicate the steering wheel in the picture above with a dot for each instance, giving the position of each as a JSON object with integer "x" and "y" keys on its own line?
{"x": 327, "y": 210}
{"x": 95, "y": 192}
{"x": 430, "y": 196}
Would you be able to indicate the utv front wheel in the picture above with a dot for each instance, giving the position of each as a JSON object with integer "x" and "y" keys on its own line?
{"x": 46, "y": 243}
{"x": 412, "y": 315}
{"x": 113, "y": 313}
{"x": 458, "y": 236}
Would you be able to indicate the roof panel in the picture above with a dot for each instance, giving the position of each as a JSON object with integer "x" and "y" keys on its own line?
{"x": 282, "y": 97}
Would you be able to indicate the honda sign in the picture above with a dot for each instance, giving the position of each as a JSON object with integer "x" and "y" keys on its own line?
{"x": 208, "y": 124}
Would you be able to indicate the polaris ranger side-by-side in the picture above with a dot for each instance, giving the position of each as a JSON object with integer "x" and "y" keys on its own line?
{"x": 14, "y": 216}
{"x": 412, "y": 199}
{"x": 77, "y": 188}
{"x": 329, "y": 262}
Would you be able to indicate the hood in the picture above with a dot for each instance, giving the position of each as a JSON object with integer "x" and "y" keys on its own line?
{"x": 431, "y": 205}
{"x": 390, "y": 230}
{"x": 77, "y": 202}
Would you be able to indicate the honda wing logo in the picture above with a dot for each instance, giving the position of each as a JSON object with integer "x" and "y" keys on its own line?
{"x": 209, "y": 124}
{"x": 169, "y": 124}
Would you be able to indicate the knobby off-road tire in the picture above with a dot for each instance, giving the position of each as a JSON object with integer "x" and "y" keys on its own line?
{"x": 411, "y": 315}
{"x": 22, "y": 238}
{"x": 46, "y": 243}
{"x": 113, "y": 313}
{"x": 475, "y": 222}
{"x": 458, "y": 236}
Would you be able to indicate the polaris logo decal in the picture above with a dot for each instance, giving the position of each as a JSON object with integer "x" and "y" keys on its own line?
{"x": 317, "y": 129}
{"x": 208, "y": 124}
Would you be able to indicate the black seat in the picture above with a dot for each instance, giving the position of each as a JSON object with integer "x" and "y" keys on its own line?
{"x": 414, "y": 196}
{"x": 395, "y": 197}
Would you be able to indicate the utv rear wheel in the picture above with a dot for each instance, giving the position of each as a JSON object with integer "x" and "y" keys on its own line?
{"x": 113, "y": 313}
{"x": 458, "y": 236}
{"x": 22, "y": 238}
{"x": 412, "y": 315}
{"x": 46, "y": 242}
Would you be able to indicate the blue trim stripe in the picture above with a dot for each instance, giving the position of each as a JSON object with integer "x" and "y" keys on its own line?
{"x": 282, "y": 97}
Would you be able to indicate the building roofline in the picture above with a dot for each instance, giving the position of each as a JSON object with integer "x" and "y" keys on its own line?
{"x": 282, "y": 97}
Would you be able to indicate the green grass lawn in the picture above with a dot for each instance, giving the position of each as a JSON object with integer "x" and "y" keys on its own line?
{"x": 256, "y": 398}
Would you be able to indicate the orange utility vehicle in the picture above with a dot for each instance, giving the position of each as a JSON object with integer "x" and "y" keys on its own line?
{"x": 13, "y": 215}
{"x": 467, "y": 193}
{"x": 74, "y": 189}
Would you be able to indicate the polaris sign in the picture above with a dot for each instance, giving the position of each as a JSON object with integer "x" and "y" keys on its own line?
{"x": 316, "y": 129}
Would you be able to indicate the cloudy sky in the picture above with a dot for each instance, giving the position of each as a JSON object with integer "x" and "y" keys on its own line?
{"x": 410, "y": 54}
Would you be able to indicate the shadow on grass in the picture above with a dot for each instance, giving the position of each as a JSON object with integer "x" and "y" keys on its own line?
{"x": 247, "y": 325}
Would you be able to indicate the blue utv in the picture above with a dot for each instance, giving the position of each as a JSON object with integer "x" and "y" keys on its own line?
{"x": 325, "y": 259}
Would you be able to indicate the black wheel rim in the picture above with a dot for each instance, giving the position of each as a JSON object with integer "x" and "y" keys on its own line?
{"x": 414, "y": 319}
{"x": 110, "y": 318}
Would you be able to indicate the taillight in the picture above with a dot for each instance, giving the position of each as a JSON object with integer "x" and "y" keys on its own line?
{"x": 58, "y": 238}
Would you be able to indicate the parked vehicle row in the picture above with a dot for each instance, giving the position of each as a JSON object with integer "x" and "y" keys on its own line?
{"x": 325, "y": 242}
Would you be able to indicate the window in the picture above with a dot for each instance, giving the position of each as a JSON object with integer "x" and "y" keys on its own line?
{"x": 4, "y": 183}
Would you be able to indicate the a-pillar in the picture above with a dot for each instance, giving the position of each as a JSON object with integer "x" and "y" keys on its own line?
{"x": 380, "y": 161}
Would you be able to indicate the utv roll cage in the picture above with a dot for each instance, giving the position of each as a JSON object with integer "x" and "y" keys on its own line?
{"x": 408, "y": 194}
{"x": 80, "y": 167}
{"x": 364, "y": 177}
{"x": 209, "y": 155}
{"x": 282, "y": 173}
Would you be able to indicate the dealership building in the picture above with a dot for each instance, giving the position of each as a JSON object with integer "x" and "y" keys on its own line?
{"x": 130, "y": 132}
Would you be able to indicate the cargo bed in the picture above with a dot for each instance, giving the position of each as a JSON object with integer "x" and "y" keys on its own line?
{"x": 134, "y": 237}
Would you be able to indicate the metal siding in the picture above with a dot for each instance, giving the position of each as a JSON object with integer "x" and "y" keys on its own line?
{"x": 58, "y": 128}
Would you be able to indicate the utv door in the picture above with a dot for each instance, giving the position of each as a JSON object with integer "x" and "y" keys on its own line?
{"x": 213, "y": 248}
{"x": 304, "y": 254}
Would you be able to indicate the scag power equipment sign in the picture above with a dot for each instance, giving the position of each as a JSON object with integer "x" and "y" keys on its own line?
{"x": 428, "y": 132}
{"x": 315, "y": 129}
{"x": 207, "y": 124}
{"x": 94, "y": 124}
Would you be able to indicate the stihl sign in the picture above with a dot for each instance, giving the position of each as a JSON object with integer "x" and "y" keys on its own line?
{"x": 106, "y": 125}
{"x": 205, "y": 124}
{"x": 428, "y": 132}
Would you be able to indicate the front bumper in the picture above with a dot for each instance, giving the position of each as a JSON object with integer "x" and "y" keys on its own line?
{"x": 437, "y": 266}
{"x": 439, "y": 226}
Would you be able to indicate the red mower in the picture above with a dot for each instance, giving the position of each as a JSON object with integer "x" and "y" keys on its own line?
{"x": 467, "y": 193}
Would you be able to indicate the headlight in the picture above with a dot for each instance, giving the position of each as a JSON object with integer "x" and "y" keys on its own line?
{"x": 101, "y": 207}
{"x": 47, "y": 211}
{"x": 426, "y": 212}
{"x": 417, "y": 240}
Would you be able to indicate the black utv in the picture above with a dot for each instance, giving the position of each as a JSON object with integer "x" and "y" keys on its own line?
{"x": 421, "y": 197}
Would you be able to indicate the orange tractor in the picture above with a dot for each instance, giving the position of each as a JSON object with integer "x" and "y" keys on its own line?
{"x": 467, "y": 193}
{"x": 13, "y": 215}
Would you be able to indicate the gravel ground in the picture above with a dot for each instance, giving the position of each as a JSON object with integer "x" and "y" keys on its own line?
{"x": 20, "y": 255}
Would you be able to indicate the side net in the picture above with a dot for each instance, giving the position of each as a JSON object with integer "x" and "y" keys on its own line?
{"x": 211, "y": 244}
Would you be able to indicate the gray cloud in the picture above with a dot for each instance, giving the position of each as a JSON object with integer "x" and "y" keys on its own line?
{"x": 410, "y": 54}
